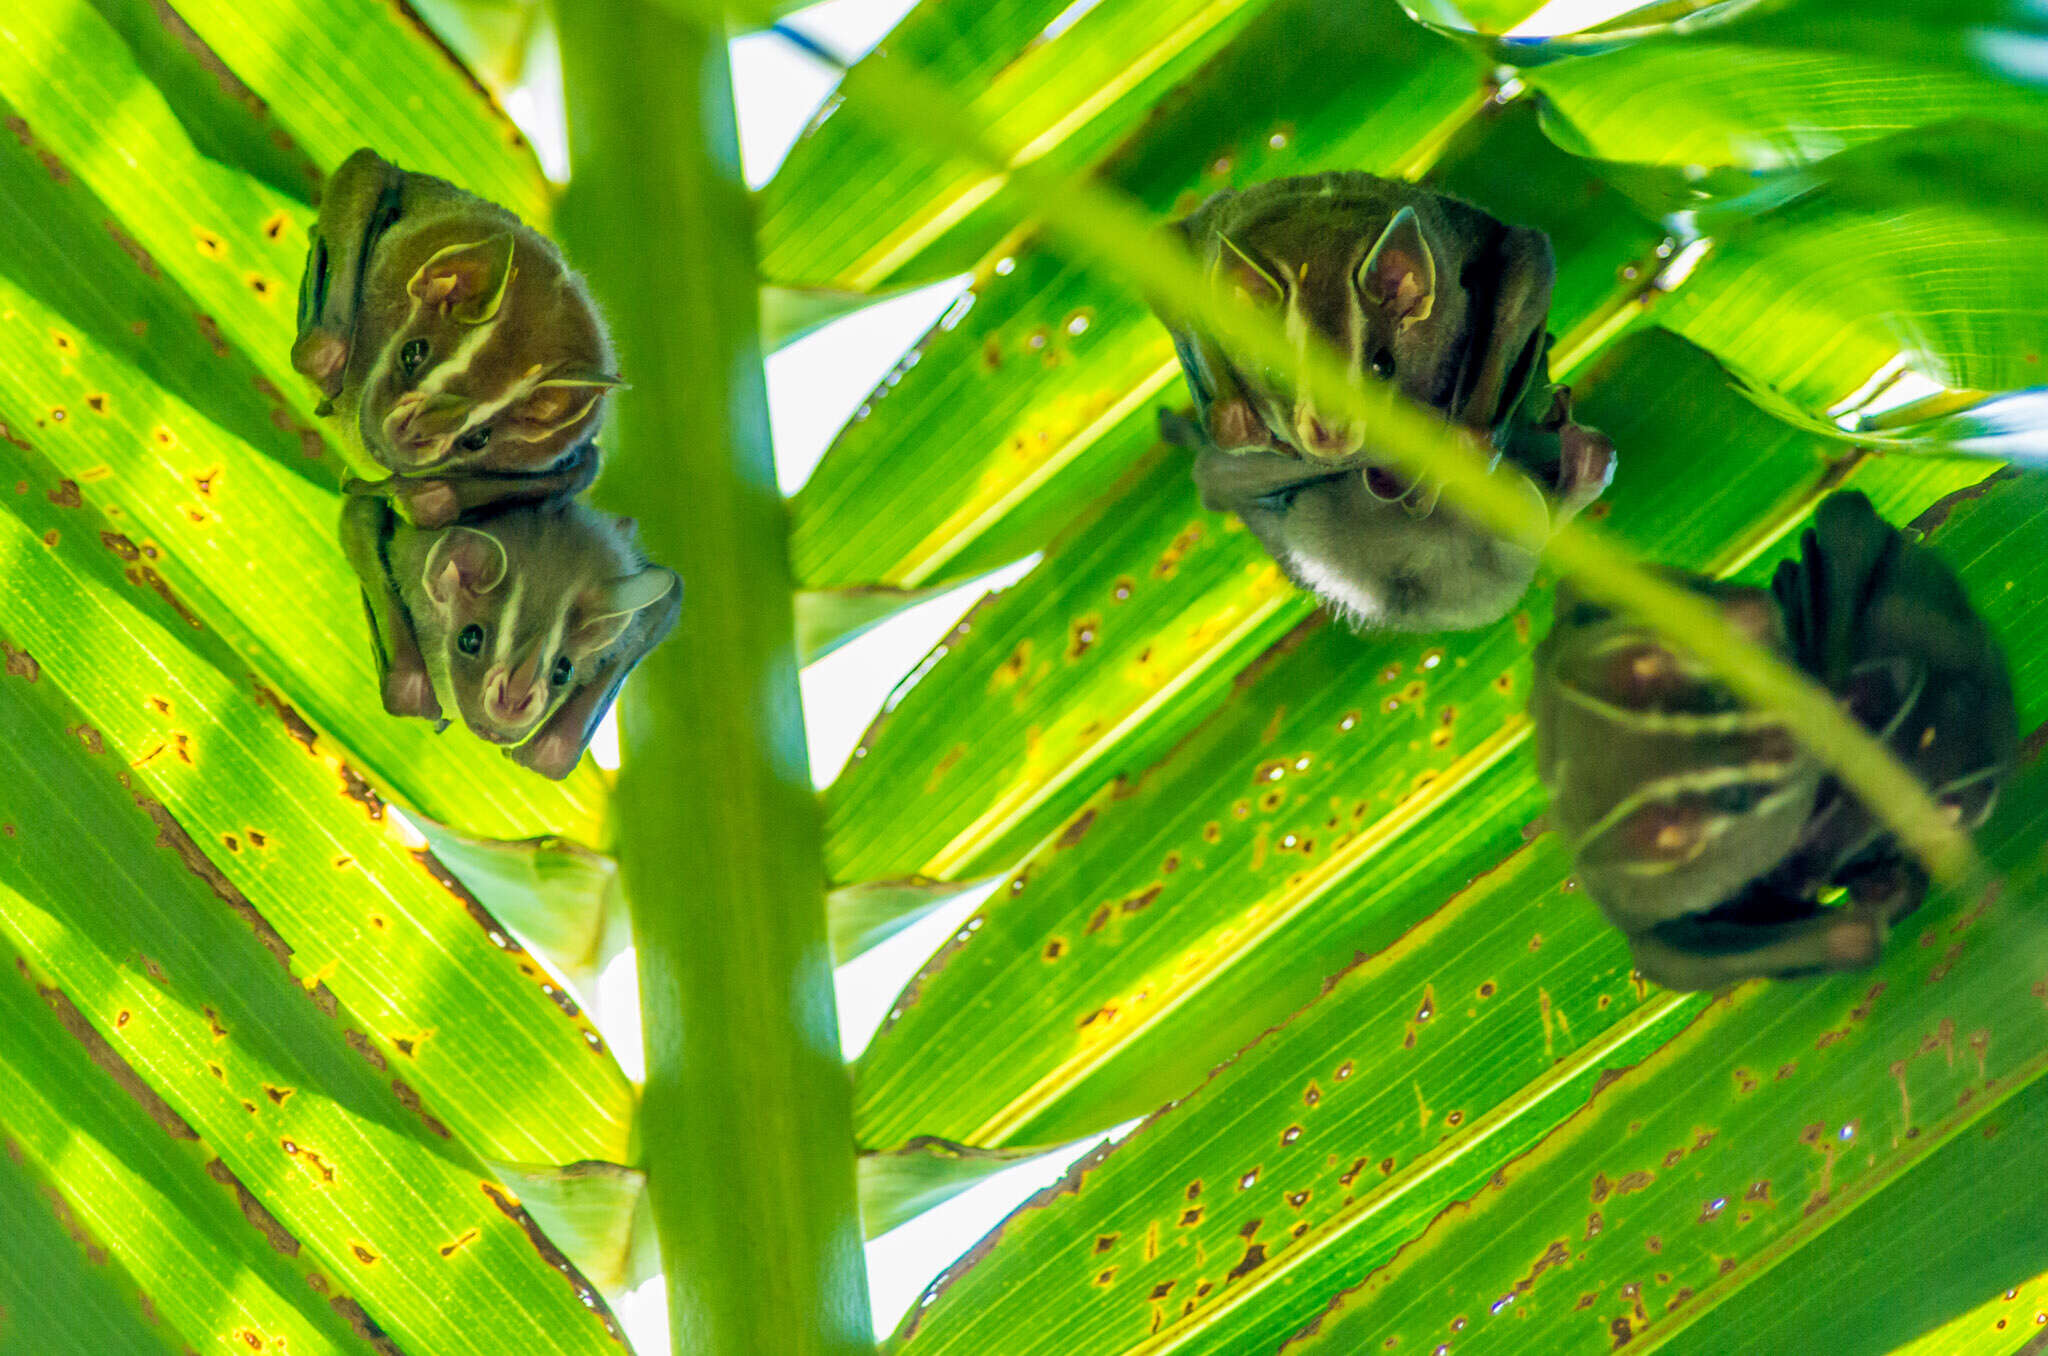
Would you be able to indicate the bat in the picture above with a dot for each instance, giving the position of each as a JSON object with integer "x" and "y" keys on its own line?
{"x": 528, "y": 620}
{"x": 466, "y": 363}
{"x": 1429, "y": 294}
{"x": 1702, "y": 828}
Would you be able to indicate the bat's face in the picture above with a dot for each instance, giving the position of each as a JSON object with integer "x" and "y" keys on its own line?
{"x": 1356, "y": 274}
{"x": 1376, "y": 549}
{"x": 522, "y": 612}
{"x": 478, "y": 353}
{"x": 1672, "y": 794}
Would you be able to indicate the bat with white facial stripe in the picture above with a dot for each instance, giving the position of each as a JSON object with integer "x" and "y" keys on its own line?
{"x": 528, "y": 620}
{"x": 1439, "y": 299}
{"x": 466, "y": 363}
{"x": 1702, "y": 829}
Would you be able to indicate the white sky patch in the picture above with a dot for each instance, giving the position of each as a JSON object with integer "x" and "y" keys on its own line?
{"x": 845, "y": 690}
{"x": 1067, "y": 18}
{"x": 1570, "y": 16}
{"x": 817, "y": 383}
{"x": 869, "y": 983}
{"x": 778, "y": 87}
{"x": 898, "y": 1261}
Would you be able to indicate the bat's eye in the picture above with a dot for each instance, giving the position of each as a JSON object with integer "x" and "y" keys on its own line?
{"x": 412, "y": 355}
{"x": 471, "y": 640}
{"x": 1279, "y": 501}
{"x": 474, "y": 440}
{"x": 562, "y": 672}
{"x": 1383, "y": 364}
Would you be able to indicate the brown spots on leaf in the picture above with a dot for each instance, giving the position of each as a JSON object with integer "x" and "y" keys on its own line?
{"x": 209, "y": 329}
{"x": 356, "y": 789}
{"x": 20, "y": 663}
{"x": 360, "y": 1043}
{"x": 1141, "y": 900}
{"x": 51, "y": 538}
{"x": 294, "y": 724}
{"x": 1013, "y": 668}
{"x": 553, "y": 1256}
{"x": 1504, "y": 684}
{"x": 1190, "y": 1217}
{"x": 66, "y": 495}
{"x": 1169, "y": 561}
{"x": 364, "y": 1254}
{"x": 113, "y": 1064}
{"x": 461, "y": 1241}
{"x": 1254, "y": 1258}
{"x": 1054, "y": 949}
{"x": 307, "y": 1156}
{"x": 90, "y": 738}
{"x": 171, "y": 834}
{"x": 410, "y": 1100}
{"x": 204, "y": 481}
{"x": 280, "y": 1238}
{"x": 948, "y": 760}
{"x": 1120, "y": 592}
{"x": 1072, "y": 834}
{"x": 54, "y": 167}
{"x": 1081, "y": 634}
{"x": 478, "y": 914}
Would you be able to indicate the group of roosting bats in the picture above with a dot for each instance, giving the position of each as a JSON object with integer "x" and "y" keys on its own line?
{"x": 461, "y": 355}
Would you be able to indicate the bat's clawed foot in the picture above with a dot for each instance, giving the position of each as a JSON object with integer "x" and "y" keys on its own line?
{"x": 426, "y": 503}
{"x": 1235, "y": 426}
{"x": 1585, "y": 468}
{"x": 321, "y": 356}
{"x": 409, "y": 692}
{"x": 553, "y": 754}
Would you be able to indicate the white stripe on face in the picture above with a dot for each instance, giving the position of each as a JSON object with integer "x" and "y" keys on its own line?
{"x": 508, "y": 624}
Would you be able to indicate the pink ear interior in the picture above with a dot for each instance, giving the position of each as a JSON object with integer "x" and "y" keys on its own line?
{"x": 1400, "y": 273}
{"x": 467, "y": 281}
{"x": 1397, "y": 281}
{"x": 464, "y": 560}
{"x": 555, "y": 405}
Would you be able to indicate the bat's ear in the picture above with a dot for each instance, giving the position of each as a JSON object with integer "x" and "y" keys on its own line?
{"x": 604, "y": 612}
{"x": 560, "y": 401}
{"x": 467, "y": 282}
{"x": 463, "y": 561}
{"x": 1400, "y": 273}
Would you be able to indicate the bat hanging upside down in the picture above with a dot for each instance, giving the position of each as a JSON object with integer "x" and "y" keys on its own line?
{"x": 528, "y": 620}
{"x": 1701, "y": 827}
{"x": 466, "y": 361}
{"x": 1429, "y": 294}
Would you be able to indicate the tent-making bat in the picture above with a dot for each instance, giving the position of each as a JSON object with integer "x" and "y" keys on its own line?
{"x": 1435, "y": 297}
{"x": 462, "y": 355}
{"x": 1701, "y": 827}
{"x": 529, "y": 620}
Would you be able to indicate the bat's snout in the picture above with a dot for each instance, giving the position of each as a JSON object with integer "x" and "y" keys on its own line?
{"x": 421, "y": 432}
{"x": 1325, "y": 439}
{"x": 513, "y": 700}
